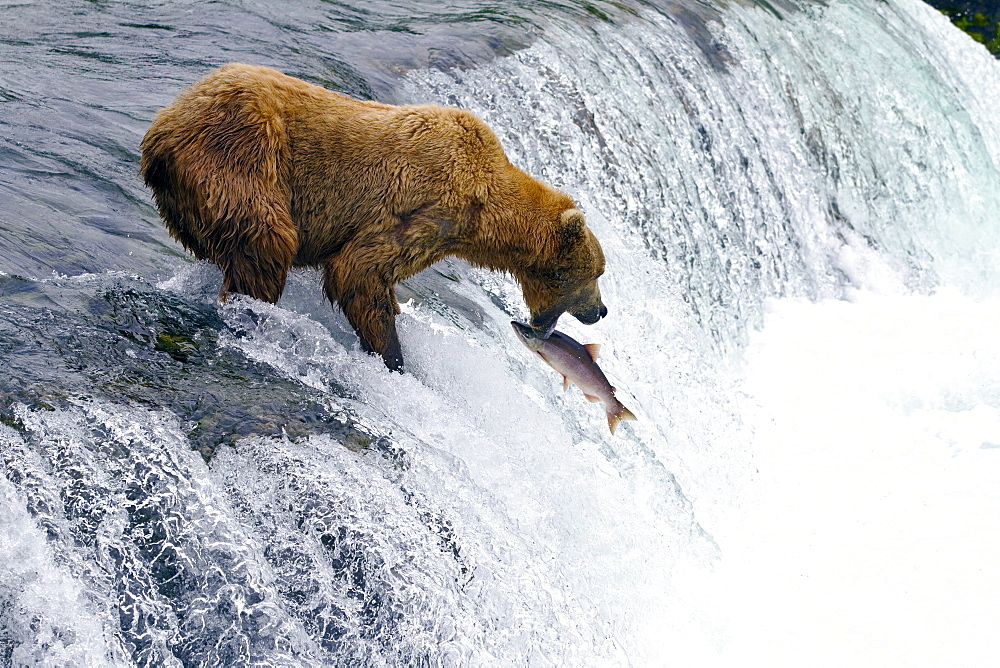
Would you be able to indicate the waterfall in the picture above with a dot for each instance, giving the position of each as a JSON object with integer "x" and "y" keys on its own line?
{"x": 796, "y": 202}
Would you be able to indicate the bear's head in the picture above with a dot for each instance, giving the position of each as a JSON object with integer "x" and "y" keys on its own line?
{"x": 566, "y": 282}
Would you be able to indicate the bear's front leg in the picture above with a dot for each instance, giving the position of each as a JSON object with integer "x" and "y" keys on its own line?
{"x": 369, "y": 302}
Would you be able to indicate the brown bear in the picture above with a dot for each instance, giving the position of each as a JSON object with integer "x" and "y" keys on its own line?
{"x": 257, "y": 172}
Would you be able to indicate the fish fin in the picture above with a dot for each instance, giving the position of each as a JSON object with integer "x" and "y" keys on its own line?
{"x": 591, "y": 399}
{"x": 565, "y": 383}
{"x": 621, "y": 414}
{"x": 593, "y": 349}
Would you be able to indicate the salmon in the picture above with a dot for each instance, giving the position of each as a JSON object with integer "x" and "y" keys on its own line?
{"x": 577, "y": 364}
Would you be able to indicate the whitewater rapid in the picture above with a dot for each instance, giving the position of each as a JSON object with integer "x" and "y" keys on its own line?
{"x": 874, "y": 527}
{"x": 845, "y": 462}
{"x": 797, "y": 205}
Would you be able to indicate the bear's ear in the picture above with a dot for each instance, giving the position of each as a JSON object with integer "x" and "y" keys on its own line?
{"x": 571, "y": 227}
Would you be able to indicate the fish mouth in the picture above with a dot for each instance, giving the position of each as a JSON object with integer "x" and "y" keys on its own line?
{"x": 523, "y": 331}
{"x": 527, "y": 335}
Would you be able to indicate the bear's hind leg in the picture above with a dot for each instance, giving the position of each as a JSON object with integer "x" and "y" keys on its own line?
{"x": 254, "y": 273}
{"x": 370, "y": 305}
{"x": 256, "y": 258}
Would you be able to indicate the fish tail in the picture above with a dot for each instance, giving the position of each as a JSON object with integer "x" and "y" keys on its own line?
{"x": 618, "y": 414}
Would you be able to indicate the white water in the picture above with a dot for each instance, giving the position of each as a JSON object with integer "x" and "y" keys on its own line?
{"x": 863, "y": 529}
{"x": 808, "y": 483}
{"x": 857, "y": 525}
{"x": 875, "y": 530}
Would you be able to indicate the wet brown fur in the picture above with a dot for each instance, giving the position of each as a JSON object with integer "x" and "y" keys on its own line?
{"x": 257, "y": 172}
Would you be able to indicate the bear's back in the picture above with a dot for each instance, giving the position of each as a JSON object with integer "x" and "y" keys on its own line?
{"x": 339, "y": 165}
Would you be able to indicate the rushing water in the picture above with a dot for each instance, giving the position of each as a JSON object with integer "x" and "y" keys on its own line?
{"x": 797, "y": 203}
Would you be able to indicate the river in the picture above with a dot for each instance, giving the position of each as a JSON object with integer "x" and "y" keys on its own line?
{"x": 797, "y": 201}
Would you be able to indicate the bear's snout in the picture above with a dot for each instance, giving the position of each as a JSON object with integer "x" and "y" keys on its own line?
{"x": 591, "y": 315}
